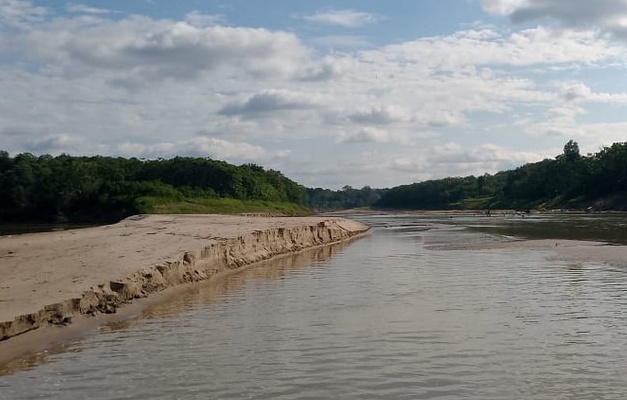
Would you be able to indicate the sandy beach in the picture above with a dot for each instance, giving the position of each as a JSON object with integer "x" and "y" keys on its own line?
{"x": 49, "y": 277}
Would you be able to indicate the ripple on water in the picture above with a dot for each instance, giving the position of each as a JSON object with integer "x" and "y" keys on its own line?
{"x": 385, "y": 318}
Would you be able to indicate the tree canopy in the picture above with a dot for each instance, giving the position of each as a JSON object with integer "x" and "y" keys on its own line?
{"x": 569, "y": 180}
{"x": 48, "y": 188}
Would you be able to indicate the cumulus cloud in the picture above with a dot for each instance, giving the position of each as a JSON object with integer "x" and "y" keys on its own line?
{"x": 152, "y": 50}
{"x": 38, "y": 141}
{"x": 343, "y": 18}
{"x": 410, "y": 164}
{"x": 84, "y": 9}
{"x": 575, "y": 91}
{"x": 326, "y": 69}
{"x": 503, "y": 7}
{"x": 453, "y": 159}
{"x": 580, "y": 92}
{"x": 490, "y": 152}
{"x": 536, "y": 46}
{"x": 366, "y": 134}
{"x": 565, "y": 121}
{"x": 201, "y": 20}
{"x": 52, "y": 144}
{"x": 199, "y": 147}
{"x": 606, "y": 15}
{"x": 269, "y": 101}
{"x": 19, "y": 14}
{"x": 145, "y": 87}
{"x": 382, "y": 115}
{"x": 341, "y": 42}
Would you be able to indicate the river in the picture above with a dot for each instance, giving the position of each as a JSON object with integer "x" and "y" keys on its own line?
{"x": 398, "y": 314}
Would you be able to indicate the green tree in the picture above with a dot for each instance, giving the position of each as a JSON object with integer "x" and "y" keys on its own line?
{"x": 571, "y": 151}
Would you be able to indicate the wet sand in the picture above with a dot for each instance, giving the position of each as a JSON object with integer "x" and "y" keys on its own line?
{"x": 577, "y": 251}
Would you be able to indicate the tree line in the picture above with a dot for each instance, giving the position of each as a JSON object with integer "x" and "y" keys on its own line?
{"x": 104, "y": 189}
{"x": 319, "y": 199}
{"x": 570, "y": 180}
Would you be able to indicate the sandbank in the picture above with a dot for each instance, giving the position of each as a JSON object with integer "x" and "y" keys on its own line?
{"x": 576, "y": 251}
{"x": 48, "y": 278}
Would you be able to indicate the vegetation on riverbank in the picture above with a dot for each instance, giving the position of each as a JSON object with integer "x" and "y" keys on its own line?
{"x": 105, "y": 189}
{"x": 215, "y": 205}
{"x": 570, "y": 180}
{"x": 325, "y": 199}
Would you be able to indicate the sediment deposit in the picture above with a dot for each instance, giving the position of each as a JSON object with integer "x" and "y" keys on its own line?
{"x": 47, "y": 278}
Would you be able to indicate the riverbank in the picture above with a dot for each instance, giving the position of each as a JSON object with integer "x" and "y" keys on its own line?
{"x": 50, "y": 278}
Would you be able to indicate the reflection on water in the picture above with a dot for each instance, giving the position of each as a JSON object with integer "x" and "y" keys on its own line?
{"x": 598, "y": 226}
{"x": 207, "y": 292}
{"x": 35, "y": 358}
{"x": 388, "y": 317}
{"x": 185, "y": 298}
{"x": 605, "y": 227}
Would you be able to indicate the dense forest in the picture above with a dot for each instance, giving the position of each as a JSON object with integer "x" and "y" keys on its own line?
{"x": 103, "y": 189}
{"x": 319, "y": 199}
{"x": 597, "y": 181}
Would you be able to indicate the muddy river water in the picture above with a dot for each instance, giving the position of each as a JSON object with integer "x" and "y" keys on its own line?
{"x": 394, "y": 315}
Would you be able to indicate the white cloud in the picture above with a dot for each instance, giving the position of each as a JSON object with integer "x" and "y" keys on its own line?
{"x": 366, "y": 134}
{"x": 341, "y": 42}
{"x": 269, "y": 101}
{"x": 453, "y": 159}
{"x": 563, "y": 121}
{"x": 52, "y": 143}
{"x": 609, "y": 16}
{"x": 236, "y": 152}
{"x": 536, "y": 46}
{"x": 382, "y": 115}
{"x": 575, "y": 91}
{"x": 502, "y": 7}
{"x": 201, "y": 20}
{"x": 326, "y": 68}
{"x": 20, "y": 14}
{"x": 410, "y": 164}
{"x": 490, "y": 152}
{"x": 137, "y": 48}
{"x": 84, "y": 9}
{"x": 420, "y": 109}
{"x": 344, "y": 18}
{"x": 580, "y": 92}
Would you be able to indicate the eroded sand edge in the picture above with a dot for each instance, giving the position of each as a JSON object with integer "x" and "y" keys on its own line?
{"x": 47, "y": 278}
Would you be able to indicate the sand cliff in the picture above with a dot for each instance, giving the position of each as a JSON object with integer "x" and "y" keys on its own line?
{"x": 47, "y": 278}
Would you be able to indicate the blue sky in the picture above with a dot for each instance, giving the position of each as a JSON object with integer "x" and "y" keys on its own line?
{"x": 331, "y": 93}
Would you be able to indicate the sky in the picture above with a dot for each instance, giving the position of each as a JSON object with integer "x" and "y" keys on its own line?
{"x": 331, "y": 93}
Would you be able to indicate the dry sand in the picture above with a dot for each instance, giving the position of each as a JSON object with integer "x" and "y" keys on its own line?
{"x": 47, "y": 277}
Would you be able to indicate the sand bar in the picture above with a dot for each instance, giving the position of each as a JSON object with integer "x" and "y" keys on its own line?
{"x": 576, "y": 251}
{"x": 45, "y": 278}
